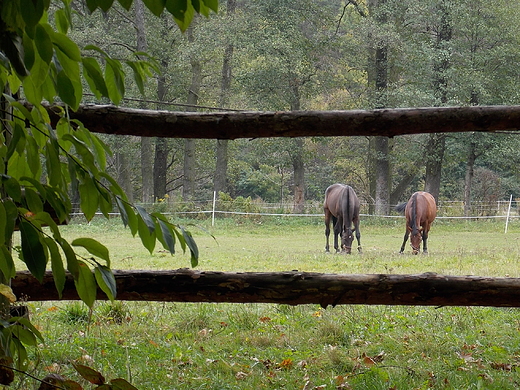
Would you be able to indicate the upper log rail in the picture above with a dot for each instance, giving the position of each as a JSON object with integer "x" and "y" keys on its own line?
{"x": 110, "y": 119}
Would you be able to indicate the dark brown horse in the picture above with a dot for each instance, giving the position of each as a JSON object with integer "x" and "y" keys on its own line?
{"x": 420, "y": 211}
{"x": 342, "y": 206}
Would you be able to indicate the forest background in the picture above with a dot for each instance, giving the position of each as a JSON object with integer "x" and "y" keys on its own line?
{"x": 275, "y": 55}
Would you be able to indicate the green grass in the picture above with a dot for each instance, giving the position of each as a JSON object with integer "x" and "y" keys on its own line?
{"x": 250, "y": 346}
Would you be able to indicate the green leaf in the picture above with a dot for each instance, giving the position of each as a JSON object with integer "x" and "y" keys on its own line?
{"x": 115, "y": 188}
{"x": 114, "y": 78}
{"x": 33, "y": 201}
{"x": 122, "y": 384}
{"x": 93, "y": 247}
{"x": 62, "y": 18}
{"x": 67, "y": 46}
{"x": 13, "y": 189}
{"x": 33, "y": 252}
{"x": 6, "y": 263}
{"x": 58, "y": 271}
{"x": 11, "y": 45}
{"x": 127, "y": 215}
{"x": 31, "y": 11}
{"x": 86, "y": 284}
{"x": 148, "y": 237}
{"x": 155, "y": 6}
{"x": 28, "y": 325}
{"x": 3, "y": 219}
{"x": 29, "y": 52}
{"x": 17, "y": 142}
{"x": 194, "y": 250}
{"x": 105, "y": 4}
{"x": 67, "y": 91}
{"x": 94, "y": 77}
{"x": 11, "y": 212}
{"x": 146, "y": 218}
{"x": 33, "y": 157}
{"x": 138, "y": 75}
{"x": 165, "y": 236}
{"x": 177, "y": 8}
{"x": 43, "y": 44}
{"x": 53, "y": 164}
{"x": 89, "y": 200}
{"x": 89, "y": 374}
{"x": 106, "y": 281}
{"x": 126, "y": 4}
{"x": 24, "y": 335}
{"x": 70, "y": 255}
{"x": 83, "y": 150}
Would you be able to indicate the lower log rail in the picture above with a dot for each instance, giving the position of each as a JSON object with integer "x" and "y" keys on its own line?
{"x": 292, "y": 288}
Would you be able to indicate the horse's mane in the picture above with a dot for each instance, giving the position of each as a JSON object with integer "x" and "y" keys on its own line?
{"x": 413, "y": 218}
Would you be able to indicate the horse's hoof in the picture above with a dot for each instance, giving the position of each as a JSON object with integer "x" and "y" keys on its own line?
{"x": 359, "y": 249}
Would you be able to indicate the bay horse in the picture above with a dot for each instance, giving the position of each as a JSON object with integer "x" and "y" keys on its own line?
{"x": 420, "y": 211}
{"x": 342, "y": 206}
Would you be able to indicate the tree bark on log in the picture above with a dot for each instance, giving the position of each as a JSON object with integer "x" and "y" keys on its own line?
{"x": 233, "y": 125}
{"x": 293, "y": 288}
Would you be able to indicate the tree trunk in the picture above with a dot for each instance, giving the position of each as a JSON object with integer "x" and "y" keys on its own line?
{"x": 160, "y": 168}
{"x": 434, "y": 156}
{"x": 468, "y": 179}
{"x": 123, "y": 169}
{"x": 160, "y": 164}
{"x": 146, "y": 144}
{"x": 293, "y": 288}
{"x": 299, "y": 176}
{"x": 147, "y": 169}
{"x": 188, "y": 182}
{"x": 437, "y": 142}
{"x": 382, "y": 176}
{"x": 220, "y": 183}
{"x": 379, "y": 68}
{"x": 188, "y": 186}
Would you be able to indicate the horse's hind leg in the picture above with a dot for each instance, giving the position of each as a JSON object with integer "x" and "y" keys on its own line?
{"x": 327, "y": 230}
{"x": 404, "y": 241}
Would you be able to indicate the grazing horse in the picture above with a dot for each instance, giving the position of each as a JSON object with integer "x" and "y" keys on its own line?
{"x": 420, "y": 211}
{"x": 342, "y": 205}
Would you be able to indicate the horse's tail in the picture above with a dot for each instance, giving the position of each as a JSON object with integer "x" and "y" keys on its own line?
{"x": 400, "y": 207}
{"x": 348, "y": 218}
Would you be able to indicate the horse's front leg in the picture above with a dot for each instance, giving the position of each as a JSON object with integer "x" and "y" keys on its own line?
{"x": 404, "y": 241}
{"x": 424, "y": 241}
{"x": 338, "y": 227}
{"x": 358, "y": 236}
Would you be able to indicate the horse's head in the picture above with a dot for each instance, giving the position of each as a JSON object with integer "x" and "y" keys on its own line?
{"x": 415, "y": 242}
{"x": 346, "y": 240}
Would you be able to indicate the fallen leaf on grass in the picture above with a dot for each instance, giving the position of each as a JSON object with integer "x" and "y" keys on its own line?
{"x": 502, "y": 366}
{"x": 241, "y": 375}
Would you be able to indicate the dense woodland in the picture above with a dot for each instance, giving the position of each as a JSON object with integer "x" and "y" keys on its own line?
{"x": 275, "y": 55}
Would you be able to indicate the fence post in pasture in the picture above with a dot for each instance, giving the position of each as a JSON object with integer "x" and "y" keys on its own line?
{"x": 213, "y": 210}
{"x": 508, "y": 211}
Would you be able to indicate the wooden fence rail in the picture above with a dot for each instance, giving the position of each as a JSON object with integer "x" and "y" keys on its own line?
{"x": 293, "y": 288}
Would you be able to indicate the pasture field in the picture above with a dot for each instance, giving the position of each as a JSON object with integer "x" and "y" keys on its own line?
{"x": 265, "y": 346}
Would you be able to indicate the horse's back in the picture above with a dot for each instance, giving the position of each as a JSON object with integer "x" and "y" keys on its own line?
{"x": 337, "y": 194}
{"x": 426, "y": 203}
